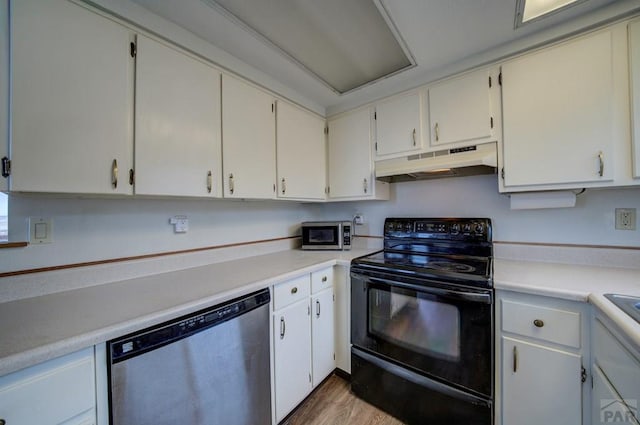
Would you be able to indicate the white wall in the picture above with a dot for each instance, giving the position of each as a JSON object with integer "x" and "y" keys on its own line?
{"x": 99, "y": 229}
{"x": 590, "y": 222}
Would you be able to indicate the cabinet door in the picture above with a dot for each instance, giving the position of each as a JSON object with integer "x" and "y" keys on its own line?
{"x": 72, "y": 105}
{"x": 350, "y": 159}
{"x": 540, "y": 385}
{"x": 301, "y": 153}
{"x": 292, "y": 356}
{"x": 558, "y": 114}
{"x": 460, "y": 109}
{"x": 177, "y": 149}
{"x": 322, "y": 335}
{"x": 606, "y": 405}
{"x": 634, "y": 72}
{"x": 398, "y": 125}
{"x": 249, "y": 141}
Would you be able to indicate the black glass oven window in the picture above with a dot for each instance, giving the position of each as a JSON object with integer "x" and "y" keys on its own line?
{"x": 415, "y": 323}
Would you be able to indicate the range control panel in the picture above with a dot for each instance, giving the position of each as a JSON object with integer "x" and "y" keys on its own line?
{"x": 439, "y": 228}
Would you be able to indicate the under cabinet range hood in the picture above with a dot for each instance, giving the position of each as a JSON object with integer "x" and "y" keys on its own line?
{"x": 467, "y": 161}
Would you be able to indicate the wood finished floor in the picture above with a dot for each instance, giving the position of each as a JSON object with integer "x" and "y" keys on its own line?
{"x": 333, "y": 404}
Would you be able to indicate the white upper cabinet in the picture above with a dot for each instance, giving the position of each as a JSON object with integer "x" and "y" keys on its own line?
{"x": 398, "y": 125}
{"x": 634, "y": 72}
{"x": 558, "y": 109}
{"x": 460, "y": 109}
{"x": 72, "y": 106}
{"x": 301, "y": 153}
{"x": 177, "y": 131}
{"x": 351, "y": 172}
{"x": 249, "y": 141}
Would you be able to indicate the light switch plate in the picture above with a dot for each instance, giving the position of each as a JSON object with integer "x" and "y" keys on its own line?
{"x": 40, "y": 230}
{"x": 625, "y": 219}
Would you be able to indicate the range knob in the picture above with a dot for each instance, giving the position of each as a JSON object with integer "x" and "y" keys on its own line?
{"x": 479, "y": 228}
{"x": 408, "y": 227}
{"x": 466, "y": 228}
{"x": 455, "y": 228}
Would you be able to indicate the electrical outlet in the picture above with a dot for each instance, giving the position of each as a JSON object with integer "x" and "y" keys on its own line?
{"x": 40, "y": 230}
{"x": 358, "y": 219}
{"x": 180, "y": 223}
{"x": 625, "y": 219}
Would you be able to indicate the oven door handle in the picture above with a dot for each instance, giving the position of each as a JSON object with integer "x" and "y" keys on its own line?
{"x": 474, "y": 297}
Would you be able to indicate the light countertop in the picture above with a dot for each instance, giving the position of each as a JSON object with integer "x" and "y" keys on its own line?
{"x": 44, "y": 327}
{"x": 574, "y": 282}
{"x": 41, "y": 328}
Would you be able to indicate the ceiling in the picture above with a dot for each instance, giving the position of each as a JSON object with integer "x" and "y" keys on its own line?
{"x": 444, "y": 37}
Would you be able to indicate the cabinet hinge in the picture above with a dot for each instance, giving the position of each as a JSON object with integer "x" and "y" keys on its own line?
{"x": 309, "y": 377}
{"x": 502, "y": 173}
{"x": 6, "y": 167}
{"x": 491, "y": 122}
{"x": 132, "y": 177}
{"x": 375, "y": 115}
{"x": 376, "y": 146}
{"x": 500, "y": 78}
{"x": 273, "y": 107}
{"x": 490, "y": 82}
{"x": 327, "y": 190}
{"x": 326, "y": 130}
{"x": 133, "y": 49}
{"x": 334, "y": 356}
{"x": 583, "y": 374}
{"x": 334, "y": 300}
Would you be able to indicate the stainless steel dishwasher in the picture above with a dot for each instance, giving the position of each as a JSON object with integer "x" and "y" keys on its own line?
{"x": 211, "y": 367}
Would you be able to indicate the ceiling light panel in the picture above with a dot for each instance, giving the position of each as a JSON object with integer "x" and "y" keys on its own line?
{"x": 528, "y": 10}
{"x": 345, "y": 44}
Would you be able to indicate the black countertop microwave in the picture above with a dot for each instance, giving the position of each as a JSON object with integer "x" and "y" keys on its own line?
{"x": 326, "y": 235}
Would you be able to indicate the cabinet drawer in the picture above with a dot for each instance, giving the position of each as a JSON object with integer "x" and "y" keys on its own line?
{"x": 53, "y": 392}
{"x": 322, "y": 279}
{"x": 548, "y": 324}
{"x": 618, "y": 364}
{"x": 291, "y": 291}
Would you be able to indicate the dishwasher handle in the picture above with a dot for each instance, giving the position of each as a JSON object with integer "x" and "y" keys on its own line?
{"x": 138, "y": 343}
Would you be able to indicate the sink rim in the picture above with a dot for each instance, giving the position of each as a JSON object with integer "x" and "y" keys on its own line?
{"x": 630, "y": 304}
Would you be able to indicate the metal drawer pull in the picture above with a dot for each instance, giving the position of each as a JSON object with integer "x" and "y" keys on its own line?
{"x": 284, "y": 186}
{"x": 317, "y": 308}
{"x": 209, "y": 181}
{"x": 413, "y": 136}
{"x": 365, "y": 185}
{"x": 283, "y": 328}
{"x": 294, "y": 290}
{"x": 437, "y": 131}
{"x": 515, "y": 359}
{"x": 538, "y": 323}
{"x": 114, "y": 176}
{"x": 324, "y": 278}
{"x": 601, "y": 159}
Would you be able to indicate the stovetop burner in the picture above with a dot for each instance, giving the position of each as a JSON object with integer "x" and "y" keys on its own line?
{"x": 452, "y": 250}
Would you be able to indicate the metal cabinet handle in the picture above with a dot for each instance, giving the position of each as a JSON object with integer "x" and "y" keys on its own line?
{"x": 317, "y": 308}
{"x": 294, "y": 290}
{"x": 515, "y": 359}
{"x": 114, "y": 174}
{"x": 324, "y": 278}
{"x": 538, "y": 323}
{"x": 437, "y": 131}
{"x": 209, "y": 181}
{"x": 283, "y": 186}
{"x": 283, "y": 327}
{"x": 231, "y": 184}
{"x": 601, "y": 159}
{"x": 413, "y": 136}
{"x": 365, "y": 185}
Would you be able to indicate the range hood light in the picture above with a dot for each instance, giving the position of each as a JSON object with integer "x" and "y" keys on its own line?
{"x": 439, "y": 170}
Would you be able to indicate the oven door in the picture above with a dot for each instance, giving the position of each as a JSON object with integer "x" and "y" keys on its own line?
{"x": 438, "y": 330}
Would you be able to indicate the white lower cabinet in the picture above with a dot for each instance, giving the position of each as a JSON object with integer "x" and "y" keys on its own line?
{"x": 541, "y": 345}
{"x": 59, "y": 391}
{"x": 303, "y": 338}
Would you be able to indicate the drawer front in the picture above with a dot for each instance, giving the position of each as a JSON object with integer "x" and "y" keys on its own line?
{"x": 53, "y": 394}
{"x": 620, "y": 366}
{"x": 293, "y": 290}
{"x": 322, "y": 279}
{"x": 547, "y": 324}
